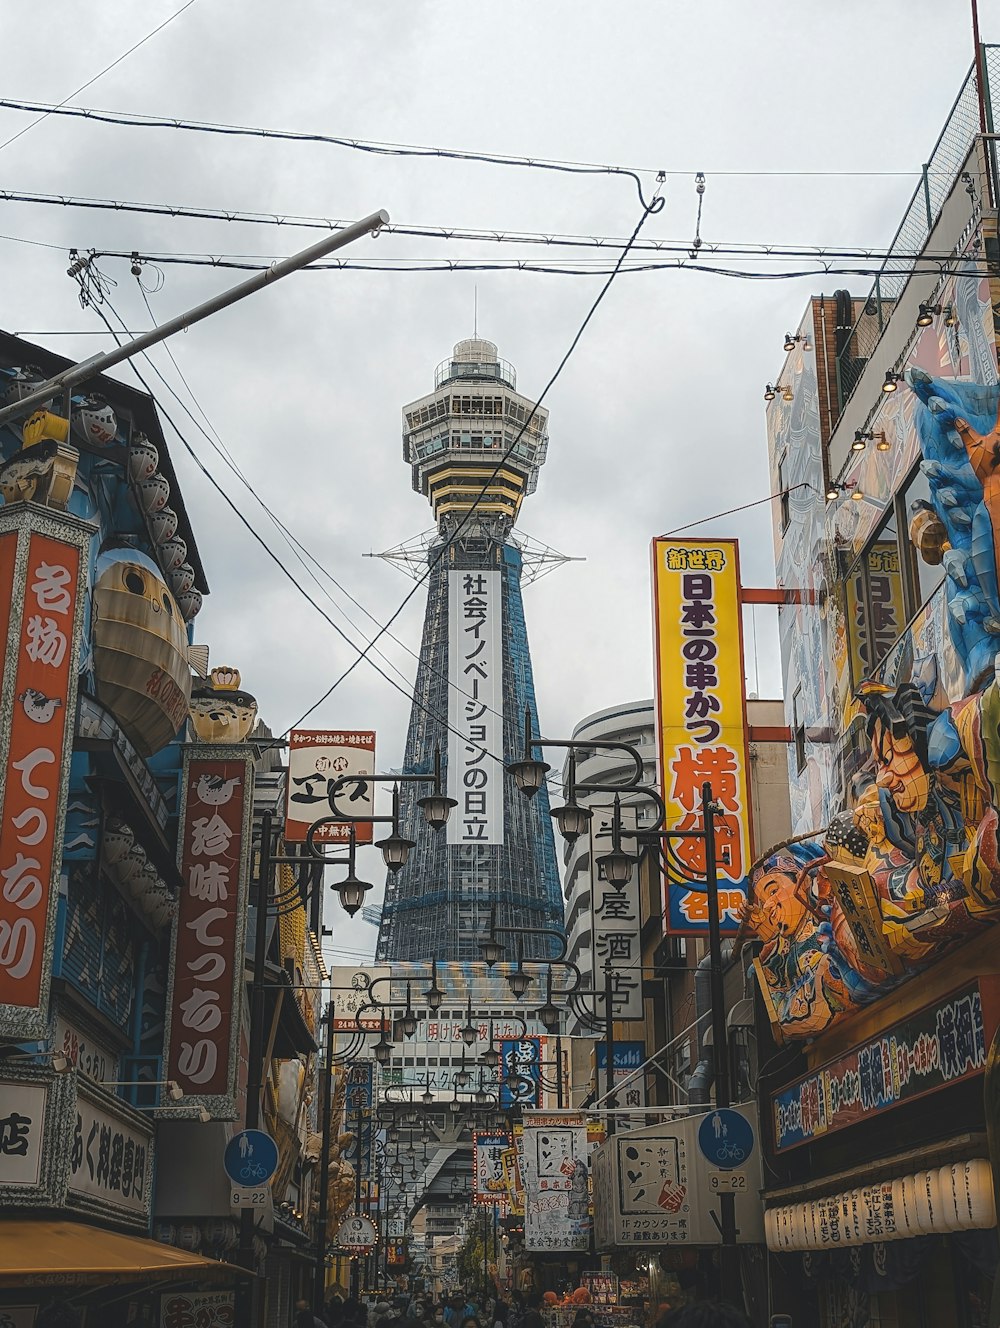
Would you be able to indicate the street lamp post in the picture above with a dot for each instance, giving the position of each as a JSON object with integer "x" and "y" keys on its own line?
{"x": 319, "y": 1277}
{"x": 529, "y": 775}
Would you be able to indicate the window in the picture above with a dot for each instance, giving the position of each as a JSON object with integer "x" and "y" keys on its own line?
{"x": 798, "y": 731}
{"x": 923, "y": 578}
{"x": 876, "y": 605}
{"x": 783, "y": 491}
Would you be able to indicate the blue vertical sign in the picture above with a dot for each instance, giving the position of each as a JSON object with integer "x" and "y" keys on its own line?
{"x": 521, "y": 1057}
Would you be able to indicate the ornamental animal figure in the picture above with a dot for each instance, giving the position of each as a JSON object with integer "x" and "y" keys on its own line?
{"x": 959, "y": 432}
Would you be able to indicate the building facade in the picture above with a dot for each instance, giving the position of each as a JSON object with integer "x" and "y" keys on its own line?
{"x": 129, "y": 794}
{"x": 474, "y": 446}
{"x": 872, "y": 935}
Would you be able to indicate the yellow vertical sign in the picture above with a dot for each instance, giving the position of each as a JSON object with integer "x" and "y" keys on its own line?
{"x": 701, "y": 721}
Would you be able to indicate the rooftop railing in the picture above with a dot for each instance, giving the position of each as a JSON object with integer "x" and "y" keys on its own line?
{"x": 938, "y": 177}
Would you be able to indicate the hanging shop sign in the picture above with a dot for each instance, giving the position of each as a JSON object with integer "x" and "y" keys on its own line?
{"x": 317, "y": 758}
{"x": 42, "y": 565}
{"x": 957, "y": 1197}
{"x": 510, "y": 1159}
{"x": 110, "y": 1159}
{"x": 627, "y": 1057}
{"x": 488, "y": 1184}
{"x": 660, "y": 1186}
{"x": 205, "y": 996}
{"x": 937, "y": 1046}
{"x": 616, "y": 920}
{"x": 357, "y": 1234}
{"x": 554, "y": 1161}
{"x": 520, "y": 1072}
{"x": 701, "y": 720}
{"x": 355, "y": 998}
{"x": 475, "y": 708}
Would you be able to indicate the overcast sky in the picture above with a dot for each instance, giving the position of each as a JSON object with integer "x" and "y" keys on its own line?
{"x": 658, "y": 418}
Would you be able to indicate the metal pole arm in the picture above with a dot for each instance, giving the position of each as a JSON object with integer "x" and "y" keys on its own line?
{"x": 345, "y": 780}
{"x": 598, "y": 746}
{"x": 99, "y": 364}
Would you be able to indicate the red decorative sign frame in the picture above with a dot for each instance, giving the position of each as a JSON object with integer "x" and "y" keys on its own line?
{"x": 42, "y": 561}
{"x": 205, "y": 996}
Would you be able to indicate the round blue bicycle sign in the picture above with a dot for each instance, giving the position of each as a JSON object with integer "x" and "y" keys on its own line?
{"x": 726, "y": 1139}
{"x": 251, "y": 1158}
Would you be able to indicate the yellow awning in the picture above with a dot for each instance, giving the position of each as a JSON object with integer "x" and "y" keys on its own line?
{"x": 35, "y": 1253}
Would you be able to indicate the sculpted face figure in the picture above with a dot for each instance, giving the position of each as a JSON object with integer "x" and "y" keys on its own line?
{"x": 899, "y": 770}
{"x": 777, "y": 909}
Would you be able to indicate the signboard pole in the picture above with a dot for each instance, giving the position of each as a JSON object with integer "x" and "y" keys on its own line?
{"x": 255, "y": 1070}
{"x": 319, "y": 1280}
{"x": 609, "y": 1042}
{"x": 729, "y": 1272}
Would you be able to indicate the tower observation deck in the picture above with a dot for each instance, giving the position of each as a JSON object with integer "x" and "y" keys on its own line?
{"x": 474, "y": 678}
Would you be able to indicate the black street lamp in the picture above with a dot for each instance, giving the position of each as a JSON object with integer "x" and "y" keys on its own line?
{"x": 434, "y": 995}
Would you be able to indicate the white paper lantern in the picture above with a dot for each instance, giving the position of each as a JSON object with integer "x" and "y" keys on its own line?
{"x": 927, "y": 1197}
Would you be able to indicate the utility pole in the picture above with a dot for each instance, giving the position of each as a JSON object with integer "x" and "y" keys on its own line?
{"x": 99, "y": 364}
{"x": 356, "y": 1264}
{"x": 255, "y": 1056}
{"x": 319, "y": 1281}
{"x": 609, "y": 1042}
{"x": 729, "y": 1271}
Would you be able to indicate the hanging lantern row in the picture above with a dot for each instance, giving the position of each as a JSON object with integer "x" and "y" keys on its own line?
{"x": 128, "y": 865}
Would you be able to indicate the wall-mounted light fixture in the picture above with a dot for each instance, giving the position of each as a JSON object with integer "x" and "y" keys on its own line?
{"x": 926, "y": 315}
{"x": 950, "y": 316}
{"x": 792, "y": 341}
{"x": 892, "y": 380}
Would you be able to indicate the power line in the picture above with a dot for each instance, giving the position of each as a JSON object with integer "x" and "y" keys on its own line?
{"x": 304, "y": 556}
{"x": 59, "y": 107}
{"x": 132, "y": 120}
{"x": 655, "y": 205}
{"x": 490, "y": 235}
{"x": 361, "y": 654}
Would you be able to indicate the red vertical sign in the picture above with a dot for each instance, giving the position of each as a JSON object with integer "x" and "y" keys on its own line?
{"x": 208, "y": 957}
{"x": 32, "y": 779}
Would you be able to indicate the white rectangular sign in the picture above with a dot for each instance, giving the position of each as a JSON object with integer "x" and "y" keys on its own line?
{"x": 22, "y": 1119}
{"x": 110, "y": 1159}
{"x": 248, "y": 1198}
{"x": 656, "y": 1186}
{"x": 616, "y": 920}
{"x": 553, "y": 1156}
{"x": 475, "y": 707}
{"x": 354, "y": 999}
{"x": 317, "y": 758}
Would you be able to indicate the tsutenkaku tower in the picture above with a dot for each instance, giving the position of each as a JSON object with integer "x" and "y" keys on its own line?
{"x": 474, "y": 678}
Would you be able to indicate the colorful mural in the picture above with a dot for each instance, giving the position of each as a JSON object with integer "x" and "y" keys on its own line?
{"x": 913, "y": 866}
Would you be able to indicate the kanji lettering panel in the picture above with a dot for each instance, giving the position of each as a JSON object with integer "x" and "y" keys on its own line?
{"x": 110, "y": 1159}
{"x": 475, "y": 707}
{"x": 701, "y": 716}
{"x": 22, "y": 1118}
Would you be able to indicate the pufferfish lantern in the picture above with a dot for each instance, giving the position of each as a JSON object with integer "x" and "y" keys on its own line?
{"x": 140, "y": 649}
{"x": 220, "y": 711}
{"x": 94, "y": 422}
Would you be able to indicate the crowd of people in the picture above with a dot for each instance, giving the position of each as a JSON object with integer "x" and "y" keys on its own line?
{"x": 461, "y": 1310}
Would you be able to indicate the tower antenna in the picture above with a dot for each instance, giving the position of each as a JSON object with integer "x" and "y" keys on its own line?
{"x": 475, "y": 311}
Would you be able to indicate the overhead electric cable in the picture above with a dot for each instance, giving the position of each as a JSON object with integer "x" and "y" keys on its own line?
{"x": 133, "y": 120}
{"x": 490, "y": 235}
{"x": 653, "y": 206}
{"x": 303, "y": 554}
{"x": 360, "y": 654}
{"x": 59, "y": 108}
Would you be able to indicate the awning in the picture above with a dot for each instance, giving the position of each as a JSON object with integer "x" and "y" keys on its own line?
{"x": 34, "y": 1253}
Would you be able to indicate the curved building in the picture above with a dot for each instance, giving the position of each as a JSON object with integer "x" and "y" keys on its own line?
{"x": 632, "y": 722}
